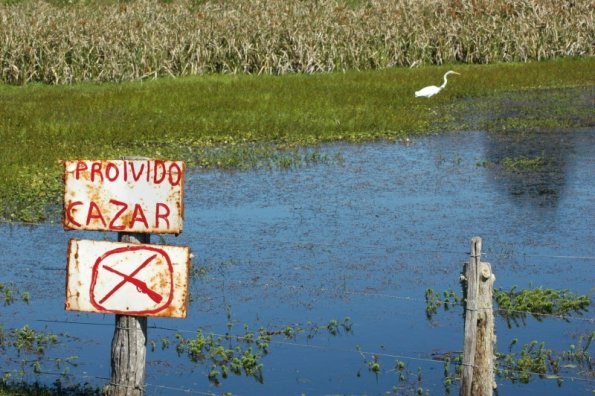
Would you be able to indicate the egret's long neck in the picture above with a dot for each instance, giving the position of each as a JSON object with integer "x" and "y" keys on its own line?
{"x": 445, "y": 81}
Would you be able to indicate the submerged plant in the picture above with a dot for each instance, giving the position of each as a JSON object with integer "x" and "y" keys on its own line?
{"x": 8, "y": 291}
{"x": 536, "y": 360}
{"x": 27, "y": 339}
{"x": 532, "y": 360}
{"x": 515, "y": 305}
{"x": 446, "y": 300}
{"x": 28, "y": 343}
{"x": 580, "y": 354}
{"x": 242, "y": 354}
{"x": 523, "y": 163}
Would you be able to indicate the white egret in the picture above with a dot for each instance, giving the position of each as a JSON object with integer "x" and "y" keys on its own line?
{"x": 432, "y": 89}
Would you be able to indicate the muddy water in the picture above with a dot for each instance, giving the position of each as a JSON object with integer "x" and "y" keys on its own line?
{"x": 362, "y": 238}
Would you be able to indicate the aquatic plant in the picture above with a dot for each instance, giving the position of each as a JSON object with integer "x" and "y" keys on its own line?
{"x": 580, "y": 354}
{"x": 29, "y": 344}
{"x": 27, "y": 339}
{"x": 532, "y": 360}
{"x": 446, "y": 300}
{"x": 408, "y": 382}
{"x": 242, "y": 354}
{"x": 374, "y": 365}
{"x": 536, "y": 360}
{"x": 523, "y": 163}
{"x": 515, "y": 305}
{"x": 9, "y": 291}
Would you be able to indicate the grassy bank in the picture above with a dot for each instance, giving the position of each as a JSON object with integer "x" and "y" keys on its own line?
{"x": 232, "y": 121}
{"x": 65, "y": 41}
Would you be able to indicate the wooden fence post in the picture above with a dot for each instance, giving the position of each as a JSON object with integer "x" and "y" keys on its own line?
{"x": 129, "y": 343}
{"x": 477, "y": 378}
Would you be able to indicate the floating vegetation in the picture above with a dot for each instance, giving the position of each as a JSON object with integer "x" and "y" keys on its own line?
{"x": 451, "y": 376}
{"x": 29, "y": 344}
{"x": 374, "y": 365}
{"x": 536, "y": 360}
{"x": 242, "y": 354}
{"x": 26, "y": 339}
{"x": 533, "y": 359}
{"x": 523, "y": 163}
{"x": 514, "y": 305}
{"x": 446, "y": 300}
{"x": 408, "y": 382}
{"x": 579, "y": 354}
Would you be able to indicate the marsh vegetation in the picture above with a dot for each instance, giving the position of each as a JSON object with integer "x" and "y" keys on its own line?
{"x": 246, "y": 122}
{"x": 218, "y": 120}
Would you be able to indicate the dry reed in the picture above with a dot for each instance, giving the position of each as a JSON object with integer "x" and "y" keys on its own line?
{"x": 148, "y": 38}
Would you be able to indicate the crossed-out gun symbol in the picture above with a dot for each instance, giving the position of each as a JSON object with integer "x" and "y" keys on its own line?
{"x": 141, "y": 286}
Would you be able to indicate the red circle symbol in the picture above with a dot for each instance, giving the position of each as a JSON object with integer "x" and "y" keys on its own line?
{"x": 132, "y": 280}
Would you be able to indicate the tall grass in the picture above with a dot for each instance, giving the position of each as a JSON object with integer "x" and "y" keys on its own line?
{"x": 58, "y": 43}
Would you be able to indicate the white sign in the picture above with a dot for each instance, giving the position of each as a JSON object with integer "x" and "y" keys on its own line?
{"x": 127, "y": 278}
{"x": 124, "y": 195}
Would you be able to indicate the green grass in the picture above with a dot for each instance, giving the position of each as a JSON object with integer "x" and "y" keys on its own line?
{"x": 231, "y": 121}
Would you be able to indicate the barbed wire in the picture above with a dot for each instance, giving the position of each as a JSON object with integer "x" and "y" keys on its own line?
{"x": 391, "y": 249}
{"x": 346, "y": 291}
{"x": 563, "y": 317}
{"x": 524, "y": 254}
{"x": 182, "y": 390}
{"x": 242, "y": 338}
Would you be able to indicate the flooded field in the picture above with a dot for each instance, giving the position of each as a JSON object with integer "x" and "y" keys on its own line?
{"x": 358, "y": 239}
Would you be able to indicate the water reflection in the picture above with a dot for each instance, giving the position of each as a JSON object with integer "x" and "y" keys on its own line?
{"x": 531, "y": 167}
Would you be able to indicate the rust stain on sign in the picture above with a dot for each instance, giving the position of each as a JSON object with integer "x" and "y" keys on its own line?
{"x": 124, "y": 195}
{"x": 127, "y": 278}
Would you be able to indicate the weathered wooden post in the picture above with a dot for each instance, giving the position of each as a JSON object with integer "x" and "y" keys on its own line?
{"x": 477, "y": 378}
{"x": 129, "y": 344}
{"x": 130, "y": 278}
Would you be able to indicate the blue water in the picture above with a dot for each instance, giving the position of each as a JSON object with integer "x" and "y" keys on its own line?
{"x": 361, "y": 238}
